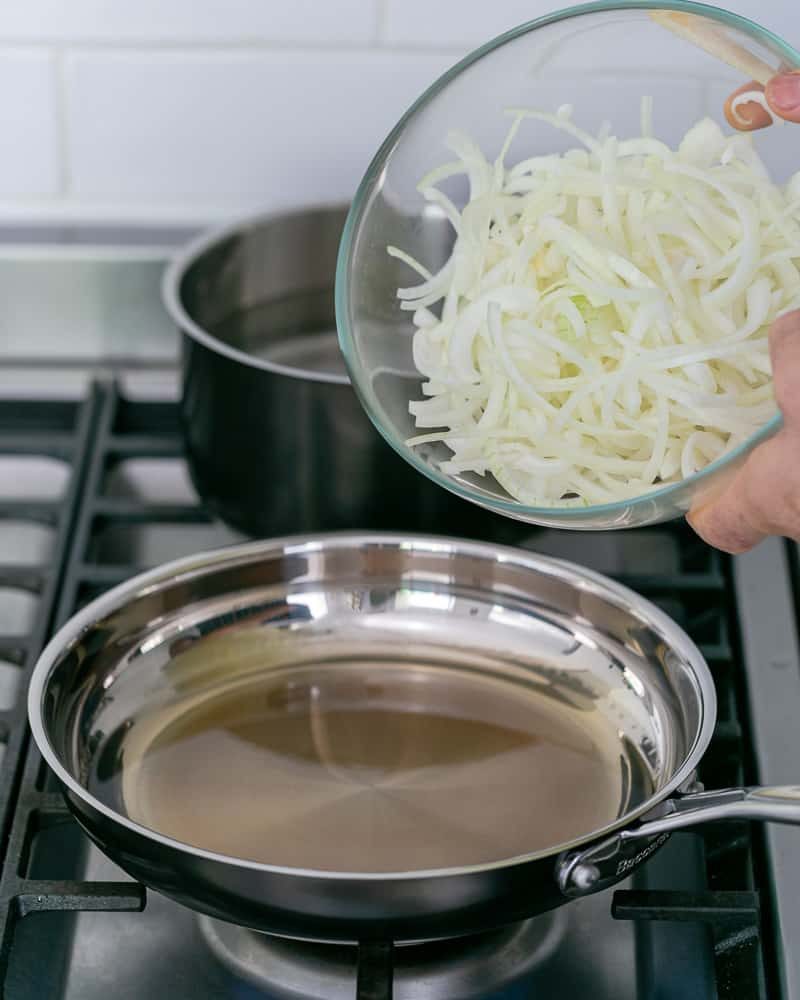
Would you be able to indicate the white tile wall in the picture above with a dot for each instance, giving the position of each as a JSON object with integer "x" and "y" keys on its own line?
{"x": 470, "y": 22}
{"x": 266, "y": 128}
{"x": 194, "y": 109}
{"x": 29, "y": 154}
{"x": 434, "y": 22}
{"x": 190, "y": 21}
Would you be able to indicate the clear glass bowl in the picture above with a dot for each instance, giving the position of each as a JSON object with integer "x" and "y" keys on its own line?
{"x": 601, "y": 58}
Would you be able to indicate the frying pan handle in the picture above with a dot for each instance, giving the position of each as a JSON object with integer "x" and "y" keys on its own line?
{"x": 605, "y": 862}
{"x": 775, "y": 804}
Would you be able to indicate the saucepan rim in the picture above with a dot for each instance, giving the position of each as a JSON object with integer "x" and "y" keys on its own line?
{"x": 183, "y": 261}
{"x": 195, "y": 565}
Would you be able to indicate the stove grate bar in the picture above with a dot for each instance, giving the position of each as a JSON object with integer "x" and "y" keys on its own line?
{"x": 56, "y": 445}
{"x": 144, "y": 446}
{"x": 375, "y": 970}
{"x": 131, "y": 512}
{"x": 43, "y": 897}
{"x": 705, "y": 907}
{"x": 43, "y": 511}
{"x": 691, "y": 583}
{"x": 63, "y": 431}
{"x": 30, "y": 578}
{"x": 14, "y": 647}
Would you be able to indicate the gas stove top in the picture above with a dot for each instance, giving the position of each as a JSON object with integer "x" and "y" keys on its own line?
{"x": 94, "y": 488}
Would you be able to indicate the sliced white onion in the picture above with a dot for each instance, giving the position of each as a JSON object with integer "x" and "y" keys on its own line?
{"x": 604, "y": 312}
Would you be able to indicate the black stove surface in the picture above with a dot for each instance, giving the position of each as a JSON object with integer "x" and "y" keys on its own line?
{"x": 699, "y": 920}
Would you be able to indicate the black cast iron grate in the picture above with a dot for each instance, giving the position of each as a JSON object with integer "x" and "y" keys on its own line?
{"x": 106, "y": 429}
{"x": 63, "y": 432}
{"x": 731, "y": 907}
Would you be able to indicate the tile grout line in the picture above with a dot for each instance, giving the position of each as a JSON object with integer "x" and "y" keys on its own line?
{"x": 298, "y": 47}
{"x": 238, "y": 45}
{"x": 381, "y": 22}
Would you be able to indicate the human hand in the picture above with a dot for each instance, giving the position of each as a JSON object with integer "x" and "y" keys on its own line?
{"x": 782, "y": 94}
{"x": 764, "y": 496}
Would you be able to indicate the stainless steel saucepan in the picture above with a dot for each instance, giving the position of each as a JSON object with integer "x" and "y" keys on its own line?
{"x": 439, "y": 622}
{"x": 276, "y": 440}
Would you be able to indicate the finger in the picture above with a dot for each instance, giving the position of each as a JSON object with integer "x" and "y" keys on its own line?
{"x": 783, "y": 95}
{"x": 784, "y": 348}
{"x": 763, "y": 499}
{"x": 724, "y": 524}
{"x": 749, "y": 116}
{"x": 747, "y": 511}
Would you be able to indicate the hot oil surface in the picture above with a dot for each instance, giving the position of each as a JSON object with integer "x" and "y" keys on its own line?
{"x": 374, "y": 767}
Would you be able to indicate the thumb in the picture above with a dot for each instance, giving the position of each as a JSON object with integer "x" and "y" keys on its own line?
{"x": 764, "y": 496}
{"x": 783, "y": 95}
{"x": 743, "y": 515}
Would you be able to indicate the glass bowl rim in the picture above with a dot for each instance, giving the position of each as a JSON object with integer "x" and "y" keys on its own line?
{"x": 514, "y": 508}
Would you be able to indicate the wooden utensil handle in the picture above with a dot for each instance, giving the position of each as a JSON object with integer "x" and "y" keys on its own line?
{"x": 711, "y": 37}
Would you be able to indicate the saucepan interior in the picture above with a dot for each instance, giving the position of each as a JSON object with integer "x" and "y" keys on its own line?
{"x": 371, "y": 705}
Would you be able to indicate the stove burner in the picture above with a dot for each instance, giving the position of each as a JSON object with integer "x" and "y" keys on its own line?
{"x": 458, "y": 969}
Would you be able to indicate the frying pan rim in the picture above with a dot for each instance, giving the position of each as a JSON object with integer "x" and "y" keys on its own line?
{"x": 139, "y": 585}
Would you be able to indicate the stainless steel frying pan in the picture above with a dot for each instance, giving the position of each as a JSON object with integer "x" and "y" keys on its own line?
{"x": 499, "y": 615}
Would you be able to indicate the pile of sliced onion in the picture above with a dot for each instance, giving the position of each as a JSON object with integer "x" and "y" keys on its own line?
{"x": 600, "y": 327}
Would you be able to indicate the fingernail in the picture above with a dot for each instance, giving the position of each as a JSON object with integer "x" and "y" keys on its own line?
{"x": 784, "y": 92}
